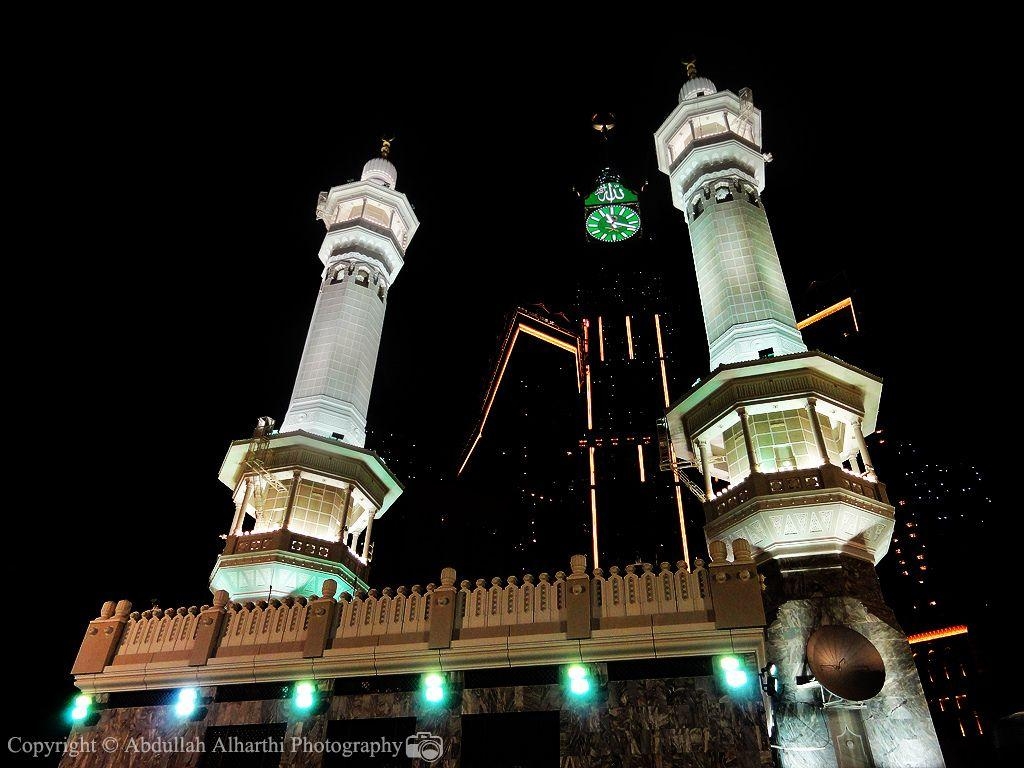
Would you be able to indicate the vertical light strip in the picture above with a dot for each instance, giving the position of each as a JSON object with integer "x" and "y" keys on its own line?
{"x": 590, "y": 410}
{"x": 600, "y": 336}
{"x": 661, "y": 359}
{"x": 593, "y": 506}
{"x": 640, "y": 460}
{"x": 682, "y": 524}
{"x": 586, "y": 371}
{"x": 629, "y": 336}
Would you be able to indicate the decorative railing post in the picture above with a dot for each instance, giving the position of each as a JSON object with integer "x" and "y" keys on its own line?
{"x": 735, "y": 587}
{"x": 211, "y": 619}
{"x": 102, "y": 638}
{"x": 321, "y": 620}
{"x": 577, "y": 600}
{"x": 442, "y": 611}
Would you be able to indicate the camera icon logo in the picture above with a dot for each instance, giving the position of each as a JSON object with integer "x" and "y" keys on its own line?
{"x": 424, "y": 745}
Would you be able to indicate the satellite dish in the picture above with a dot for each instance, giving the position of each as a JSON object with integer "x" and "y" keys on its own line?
{"x": 845, "y": 662}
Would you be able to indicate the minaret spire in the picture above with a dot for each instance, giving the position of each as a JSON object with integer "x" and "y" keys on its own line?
{"x": 369, "y": 225}
{"x": 711, "y": 148}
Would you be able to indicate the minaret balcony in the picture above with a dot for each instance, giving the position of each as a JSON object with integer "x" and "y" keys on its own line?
{"x": 283, "y": 540}
{"x": 777, "y": 484}
{"x": 797, "y": 512}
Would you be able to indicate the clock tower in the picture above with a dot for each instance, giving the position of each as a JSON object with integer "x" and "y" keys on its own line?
{"x": 612, "y": 210}
{"x": 779, "y": 435}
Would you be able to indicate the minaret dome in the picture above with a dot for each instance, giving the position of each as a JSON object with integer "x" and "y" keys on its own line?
{"x": 696, "y": 87}
{"x": 381, "y": 171}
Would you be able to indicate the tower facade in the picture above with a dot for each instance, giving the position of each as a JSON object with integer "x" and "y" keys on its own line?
{"x": 710, "y": 147}
{"x": 306, "y": 496}
{"x": 781, "y": 431}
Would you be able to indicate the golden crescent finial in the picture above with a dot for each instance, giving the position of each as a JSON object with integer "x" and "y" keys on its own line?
{"x": 385, "y": 146}
{"x": 691, "y": 67}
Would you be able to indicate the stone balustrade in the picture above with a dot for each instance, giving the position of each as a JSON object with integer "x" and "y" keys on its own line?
{"x": 814, "y": 479}
{"x": 577, "y": 606}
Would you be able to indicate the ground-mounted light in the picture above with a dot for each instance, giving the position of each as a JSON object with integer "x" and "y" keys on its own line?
{"x": 434, "y": 688}
{"x": 80, "y": 708}
{"x": 770, "y": 679}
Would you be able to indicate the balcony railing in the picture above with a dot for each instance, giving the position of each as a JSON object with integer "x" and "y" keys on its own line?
{"x": 814, "y": 479}
{"x": 287, "y": 541}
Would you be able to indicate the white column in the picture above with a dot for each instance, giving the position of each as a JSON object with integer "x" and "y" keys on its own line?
{"x": 865, "y": 457}
{"x": 705, "y": 465}
{"x": 369, "y": 531}
{"x": 291, "y": 499}
{"x": 236, "y": 524}
{"x": 819, "y": 437}
{"x": 755, "y": 465}
{"x": 344, "y": 533}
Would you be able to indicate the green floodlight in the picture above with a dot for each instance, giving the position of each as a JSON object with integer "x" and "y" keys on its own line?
{"x": 433, "y": 688}
{"x": 188, "y": 699}
{"x": 80, "y": 707}
{"x": 303, "y": 696}
{"x": 579, "y": 680}
{"x": 735, "y": 675}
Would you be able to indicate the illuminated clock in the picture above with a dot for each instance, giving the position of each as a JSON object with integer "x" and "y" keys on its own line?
{"x": 612, "y": 214}
{"x": 612, "y": 223}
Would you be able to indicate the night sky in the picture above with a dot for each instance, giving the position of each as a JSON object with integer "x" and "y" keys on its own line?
{"x": 171, "y": 265}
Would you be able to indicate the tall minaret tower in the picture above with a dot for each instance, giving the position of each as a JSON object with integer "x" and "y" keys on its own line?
{"x": 711, "y": 149}
{"x": 306, "y": 497}
{"x": 782, "y": 431}
{"x": 369, "y": 225}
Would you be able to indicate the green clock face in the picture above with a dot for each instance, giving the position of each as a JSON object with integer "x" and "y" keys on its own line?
{"x": 613, "y": 223}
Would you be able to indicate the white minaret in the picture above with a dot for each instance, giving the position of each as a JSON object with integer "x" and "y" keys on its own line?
{"x": 781, "y": 430}
{"x": 369, "y": 226}
{"x": 710, "y": 147}
{"x": 306, "y": 496}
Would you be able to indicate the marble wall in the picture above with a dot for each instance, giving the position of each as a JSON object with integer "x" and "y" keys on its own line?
{"x": 684, "y": 721}
{"x": 894, "y": 729}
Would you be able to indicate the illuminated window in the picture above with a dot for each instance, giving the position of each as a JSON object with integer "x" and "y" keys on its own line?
{"x": 709, "y": 125}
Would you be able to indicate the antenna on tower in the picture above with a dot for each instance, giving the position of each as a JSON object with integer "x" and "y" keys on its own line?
{"x": 255, "y": 460}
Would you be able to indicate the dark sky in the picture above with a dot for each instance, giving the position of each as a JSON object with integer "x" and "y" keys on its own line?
{"x": 171, "y": 257}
